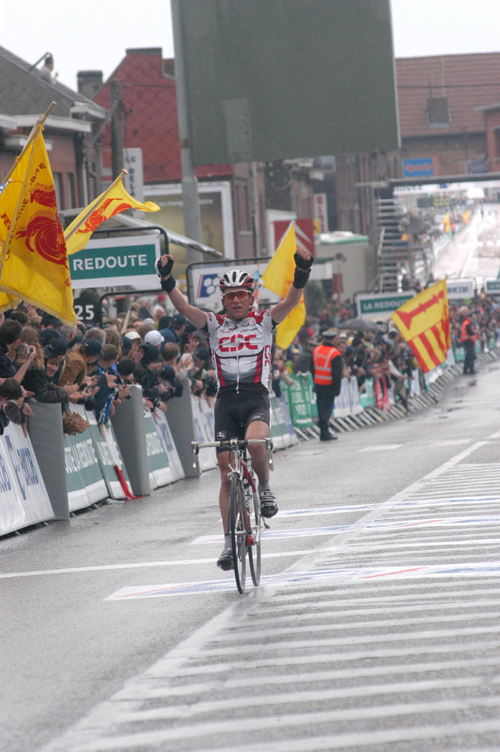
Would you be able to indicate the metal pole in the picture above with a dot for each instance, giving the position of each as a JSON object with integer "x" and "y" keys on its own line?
{"x": 255, "y": 210}
{"x": 190, "y": 204}
{"x": 115, "y": 89}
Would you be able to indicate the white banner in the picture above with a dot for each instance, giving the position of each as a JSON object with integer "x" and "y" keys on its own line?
{"x": 342, "y": 404}
{"x": 23, "y": 497}
{"x": 203, "y": 423}
{"x": 167, "y": 442}
{"x": 457, "y": 289}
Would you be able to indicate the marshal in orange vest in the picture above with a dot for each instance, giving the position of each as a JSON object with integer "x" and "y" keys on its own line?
{"x": 322, "y": 359}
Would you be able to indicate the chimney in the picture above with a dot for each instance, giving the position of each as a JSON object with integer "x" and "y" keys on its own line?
{"x": 89, "y": 82}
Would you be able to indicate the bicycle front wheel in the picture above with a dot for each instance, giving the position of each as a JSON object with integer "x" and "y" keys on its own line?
{"x": 238, "y": 531}
{"x": 254, "y": 550}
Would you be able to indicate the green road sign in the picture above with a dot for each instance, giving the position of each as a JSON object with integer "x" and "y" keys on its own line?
{"x": 369, "y": 306}
{"x": 116, "y": 261}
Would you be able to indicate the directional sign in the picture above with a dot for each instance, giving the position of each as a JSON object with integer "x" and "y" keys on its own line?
{"x": 381, "y": 305}
{"x": 492, "y": 286}
{"x": 116, "y": 261}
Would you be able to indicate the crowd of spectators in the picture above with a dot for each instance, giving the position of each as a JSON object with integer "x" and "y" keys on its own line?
{"x": 42, "y": 358}
{"x": 383, "y": 356}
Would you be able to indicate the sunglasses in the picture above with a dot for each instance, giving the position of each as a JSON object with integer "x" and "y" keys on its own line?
{"x": 240, "y": 294}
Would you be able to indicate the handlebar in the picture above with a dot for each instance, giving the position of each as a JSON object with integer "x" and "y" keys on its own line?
{"x": 231, "y": 444}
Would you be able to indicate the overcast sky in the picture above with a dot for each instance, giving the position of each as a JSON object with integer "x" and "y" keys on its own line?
{"x": 95, "y": 34}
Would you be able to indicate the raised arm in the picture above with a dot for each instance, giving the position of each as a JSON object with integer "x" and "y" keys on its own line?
{"x": 303, "y": 261}
{"x": 193, "y": 314}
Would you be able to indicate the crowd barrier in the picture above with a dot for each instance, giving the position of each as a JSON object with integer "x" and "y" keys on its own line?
{"x": 47, "y": 474}
{"x": 24, "y": 499}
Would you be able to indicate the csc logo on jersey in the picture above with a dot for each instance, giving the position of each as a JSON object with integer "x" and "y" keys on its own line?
{"x": 237, "y": 342}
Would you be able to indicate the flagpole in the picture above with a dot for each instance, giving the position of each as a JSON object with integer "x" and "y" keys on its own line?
{"x": 41, "y": 120}
{"x": 92, "y": 205}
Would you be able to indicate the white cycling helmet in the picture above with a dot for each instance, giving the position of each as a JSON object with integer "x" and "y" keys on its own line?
{"x": 236, "y": 279}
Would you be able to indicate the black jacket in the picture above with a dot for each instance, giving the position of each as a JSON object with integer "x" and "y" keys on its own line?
{"x": 36, "y": 381}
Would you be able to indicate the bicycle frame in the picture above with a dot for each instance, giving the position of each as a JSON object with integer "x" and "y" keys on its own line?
{"x": 245, "y": 519}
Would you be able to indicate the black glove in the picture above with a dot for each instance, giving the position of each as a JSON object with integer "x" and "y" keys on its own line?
{"x": 303, "y": 263}
{"x": 168, "y": 284}
{"x": 164, "y": 271}
{"x": 302, "y": 270}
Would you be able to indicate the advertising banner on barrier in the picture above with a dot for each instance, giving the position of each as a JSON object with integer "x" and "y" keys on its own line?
{"x": 167, "y": 442}
{"x": 367, "y": 396}
{"x": 460, "y": 289}
{"x": 108, "y": 455}
{"x": 33, "y": 493}
{"x": 159, "y": 473}
{"x": 342, "y": 404}
{"x": 415, "y": 383}
{"x": 288, "y": 421}
{"x": 354, "y": 396}
{"x": 13, "y": 515}
{"x": 279, "y": 431}
{"x": 86, "y": 483}
{"x": 203, "y": 423}
{"x": 298, "y": 398}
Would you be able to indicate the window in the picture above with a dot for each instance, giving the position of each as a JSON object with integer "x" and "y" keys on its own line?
{"x": 58, "y": 185}
{"x": 70, "y": 181}
{"x": 438, "y": 113}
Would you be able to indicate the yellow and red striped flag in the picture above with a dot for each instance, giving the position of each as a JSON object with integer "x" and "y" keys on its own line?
{"x": 278, "y": 276}
{"x": 424, "y": 322}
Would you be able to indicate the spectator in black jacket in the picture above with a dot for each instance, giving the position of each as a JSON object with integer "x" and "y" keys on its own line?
{"x": 44, "y": 366}
{"x": 12, "y": 349}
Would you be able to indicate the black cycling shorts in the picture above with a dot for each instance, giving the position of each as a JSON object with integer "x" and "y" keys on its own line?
{"x": 234, "y": 412}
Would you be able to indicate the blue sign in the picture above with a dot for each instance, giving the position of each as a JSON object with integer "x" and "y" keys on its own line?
{"x": 207, "y": 285}
{"x": 475, "y": 166}
{"x": 422, "y": 167}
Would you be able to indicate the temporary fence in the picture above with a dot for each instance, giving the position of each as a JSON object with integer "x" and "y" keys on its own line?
{"x": 46, "y": 474}
{"x": 49, "y": 475}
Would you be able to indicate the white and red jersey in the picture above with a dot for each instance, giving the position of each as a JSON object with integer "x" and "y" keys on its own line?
{"x": 241, "y": 351}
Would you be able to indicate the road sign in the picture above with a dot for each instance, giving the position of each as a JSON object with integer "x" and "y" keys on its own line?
{"x": 381, "y": 305}
{"x": 492, "y": 286}
{"x": 116, "y": 261}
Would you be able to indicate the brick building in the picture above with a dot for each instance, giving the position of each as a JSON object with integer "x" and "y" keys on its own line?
{"x": 71, "y": 132}
{"x": 442, "y": 104}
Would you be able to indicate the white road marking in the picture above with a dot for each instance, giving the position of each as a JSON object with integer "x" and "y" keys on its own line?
{"x": 248, "y": 724}
{"x": 308, "y": 532}
{"x": 173, "y": 563}
{"x": 380, "y": 447}
{"x": 451, "y": 442}
{"x": 229, "y": 704}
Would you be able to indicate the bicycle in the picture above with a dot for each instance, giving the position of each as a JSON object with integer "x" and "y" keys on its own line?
{"x": 245, "y": 520}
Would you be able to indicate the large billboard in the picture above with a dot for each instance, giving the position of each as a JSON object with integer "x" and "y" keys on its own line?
{"x": 277, "y": 79}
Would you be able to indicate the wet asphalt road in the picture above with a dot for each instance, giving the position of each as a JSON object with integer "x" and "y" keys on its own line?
{"x": 122, "y": 599}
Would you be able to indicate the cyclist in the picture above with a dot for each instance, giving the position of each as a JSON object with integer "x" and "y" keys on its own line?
{"x": 240, "y": 340}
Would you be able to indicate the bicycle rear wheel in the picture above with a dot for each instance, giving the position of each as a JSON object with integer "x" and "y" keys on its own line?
{"x": 254, "y": 550}
{"x": 238, "y": 532}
